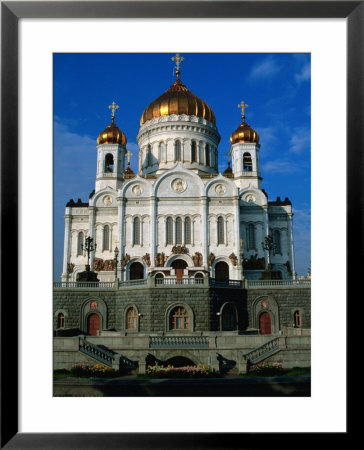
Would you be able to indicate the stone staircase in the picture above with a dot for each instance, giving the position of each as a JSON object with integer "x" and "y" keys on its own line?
{"x": 97, "y": 353}
{"x": 263, "y": 351}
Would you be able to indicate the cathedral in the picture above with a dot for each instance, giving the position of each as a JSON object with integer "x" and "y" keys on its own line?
{"x": 178, "y": 217}
{"x": 178, "y": 263}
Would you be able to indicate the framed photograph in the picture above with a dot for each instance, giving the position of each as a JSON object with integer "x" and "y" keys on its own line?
{"x": 35, "y": 35}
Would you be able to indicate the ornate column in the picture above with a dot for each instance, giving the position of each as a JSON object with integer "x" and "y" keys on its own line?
{"x": 226, "y": 231}
{"x": 91, "y": 232}
{"x": 290, "y": 245}
{"x": 265, "y": 230}
{"x": 204, "y": 231}
{"x": 152, "y": 227}
{"x": 67, "y": 241}
{"x": 120, "y": 235}
{"x": 237, "y": 228}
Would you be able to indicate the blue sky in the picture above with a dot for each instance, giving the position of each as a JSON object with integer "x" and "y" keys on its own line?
{"x": 277, "y": 88}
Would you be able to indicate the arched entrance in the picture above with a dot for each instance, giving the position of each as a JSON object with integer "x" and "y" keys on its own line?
{"x": 228, "y": 318}
{"x": 136, "y": 271}
{"x": 179, "y": 361}
{"x": 179, "y": 265}
{"x": 265, "y": 325}
{"x": 93, "y": 324}
{"x": 222, "y": 271}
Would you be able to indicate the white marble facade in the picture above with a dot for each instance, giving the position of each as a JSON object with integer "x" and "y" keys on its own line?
{"x": 178, "y": 207}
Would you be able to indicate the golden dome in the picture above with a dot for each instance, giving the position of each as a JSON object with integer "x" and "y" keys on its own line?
{"x": 244, "y": 133}
{"x": 178, "y": 100}
{"x": 112, "y": 135}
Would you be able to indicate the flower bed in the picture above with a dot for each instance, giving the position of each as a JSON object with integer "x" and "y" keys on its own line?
{"x": 91, "y": 370}
{"x": 200, "y": 371}
{"x": 266, "y": 369}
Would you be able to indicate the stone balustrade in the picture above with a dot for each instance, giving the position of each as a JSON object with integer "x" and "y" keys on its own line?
{"x": 178, "y": 342}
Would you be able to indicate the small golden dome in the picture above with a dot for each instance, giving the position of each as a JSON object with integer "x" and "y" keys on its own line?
{"x": 244, "y": 133}
{"x": 178, "y": 100}
{"x": 112, "y": 135}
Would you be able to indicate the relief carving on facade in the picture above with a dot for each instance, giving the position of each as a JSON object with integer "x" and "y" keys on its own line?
{"x": 125, "y": 260}
{"x": 107, "y": 265}
{"x": 70, "y": 267}
{"x": 211, "y": 259}
{"x": 98, "y": 264}
{"x": 254, "y": 263}
{"x": 146, "y": 259}
{"x": 197, "y": 259}
{"x": 233, "y": 259}
{"x": 160, "y": 259}
{"x": 179, "y": 250}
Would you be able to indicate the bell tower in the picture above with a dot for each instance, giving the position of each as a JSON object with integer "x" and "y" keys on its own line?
{"x": 111, "y": 150}
{"x": 245, "y": 154}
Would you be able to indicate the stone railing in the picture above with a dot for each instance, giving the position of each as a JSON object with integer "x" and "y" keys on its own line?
{"x": 83, "y": 284}
{"x": 178, "y": 342}
{"x": 277, "y": 283}
{"x": 174, "y": 281}
{"x": 263, "y": 351}
{"x": 228, "y": 283}
{"x": 96, "y": 352}
{"x": 133, "y": 283}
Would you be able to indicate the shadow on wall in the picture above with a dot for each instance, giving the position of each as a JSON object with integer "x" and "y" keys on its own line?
{"x": 225, "y": 365}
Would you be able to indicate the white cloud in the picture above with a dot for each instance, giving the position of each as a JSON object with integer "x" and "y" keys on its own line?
{"x": 300, "y": 141}
{"x": 281, "y": 166}
{"x": 265, "y": 69}
{"x": 304, "y": 74}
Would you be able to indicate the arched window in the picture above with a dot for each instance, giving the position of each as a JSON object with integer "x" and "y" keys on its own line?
{"x": 228, "y": 318}
{"x": 297, "y": 319}
{"x": 222, "y": 271}
{"x": 131, "y": 319}
{"x": 193, "y": 152}
{"x": 277, "y": 241}
{"x": 106, "y": 238}
{"x": 136, "y": 271}
{"x": 149, "y": 156}
{"x": 251, "y": 237}
{"x": 207, "y": 155}
{"x": 187, "y": 230}
{"x": 247, "y": 162}
{"x": 177, "y": 151}
{"x": 179, "y": 319}
{"x": 200, "y": 151}
{"x": 178, "y": 230}
{"x": 60, "y": 320}
{"x": 169, "y": 230}
{"x": 80, "y": 239}
{"x": 109, "y": 163}
{"x": 220, "y": 230}
{"x": 163, "y": 151}
{"x": 136, "y": 231}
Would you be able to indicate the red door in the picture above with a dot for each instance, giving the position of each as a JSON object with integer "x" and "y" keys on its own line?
{"x": 93, "y": 324}
{"x": 265, "y": 323}
{"x": 179, "y": 275}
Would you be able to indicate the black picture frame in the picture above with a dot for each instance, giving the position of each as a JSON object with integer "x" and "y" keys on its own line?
{"x": 11, "y": 12}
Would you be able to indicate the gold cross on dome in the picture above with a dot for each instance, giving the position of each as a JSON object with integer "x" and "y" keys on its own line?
{"x": 242, "y": 105}
{"x": 178, "y": 59}
{"x": 113, "y": 108}
{"x": 228, "y": 154}
{"x": 129, "y": 155}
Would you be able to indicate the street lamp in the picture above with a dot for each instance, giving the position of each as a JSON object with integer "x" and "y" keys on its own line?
{"x": 116, "y": 261}
{"x": 89, "y": 246}
{"x": 269, "y": 246}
